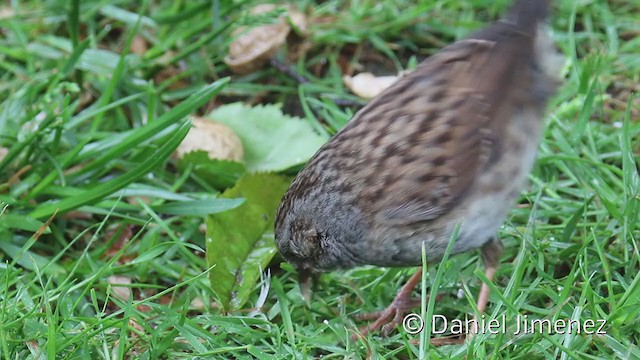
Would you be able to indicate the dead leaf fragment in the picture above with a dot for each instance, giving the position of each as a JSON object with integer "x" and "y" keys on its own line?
{"x": 218, "y": 140}
{"x": 3, "y": 152}
{"x": 366, "y": 85}
{"x": 139, "y": 45}
{"x": 170, "y": 73}
{"x": 293, "y": 16}
{"x": 252, "y": 48}
{"x": 6, "y": 12}
{"x": 120, "y": 292}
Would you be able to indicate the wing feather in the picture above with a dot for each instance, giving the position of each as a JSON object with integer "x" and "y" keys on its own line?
{"x": 455, "y": 105}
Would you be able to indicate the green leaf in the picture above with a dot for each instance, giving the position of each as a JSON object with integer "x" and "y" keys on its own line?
{"x": 272, "y": 141}
{"x": 239, "y": 241}
{"x": 259, "y": 257}
{"x": 219, "y": 173}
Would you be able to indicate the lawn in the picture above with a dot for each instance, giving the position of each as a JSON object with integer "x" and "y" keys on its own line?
{"x": 112, "y": 246}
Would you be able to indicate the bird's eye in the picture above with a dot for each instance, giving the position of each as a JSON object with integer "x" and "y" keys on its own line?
{"x": 308, "y": 243}
{"x": 310, "y": 234}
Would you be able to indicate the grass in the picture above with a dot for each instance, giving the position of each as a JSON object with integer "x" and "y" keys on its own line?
{"x": 83, "y": 117}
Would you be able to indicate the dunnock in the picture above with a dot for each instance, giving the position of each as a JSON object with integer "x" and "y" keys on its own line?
{"x": 450, "y": 143}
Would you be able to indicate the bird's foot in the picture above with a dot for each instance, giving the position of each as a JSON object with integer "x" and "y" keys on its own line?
{"x": 387, "y": 319}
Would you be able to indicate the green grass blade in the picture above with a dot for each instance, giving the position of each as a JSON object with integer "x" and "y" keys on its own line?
{"x": 111, "y": 186}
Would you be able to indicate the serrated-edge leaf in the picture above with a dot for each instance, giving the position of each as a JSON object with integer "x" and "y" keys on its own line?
{"x": 272, "y": 141}
{"x": 233, "y": 237}
{"x": 256, "y": 261}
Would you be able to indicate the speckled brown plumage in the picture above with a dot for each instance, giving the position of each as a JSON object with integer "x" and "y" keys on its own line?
{"x": 451, "y": 142}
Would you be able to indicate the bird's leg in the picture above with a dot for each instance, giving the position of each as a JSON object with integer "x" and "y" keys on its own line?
{"x": 491, "y": 252}
{"x": 390, "y": 317}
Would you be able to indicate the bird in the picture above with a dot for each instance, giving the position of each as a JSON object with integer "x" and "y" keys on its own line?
{"x": 448, "y": 146}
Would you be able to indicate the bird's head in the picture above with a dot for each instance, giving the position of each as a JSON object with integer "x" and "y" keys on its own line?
{"x": 300, "y": 243}
{"x": 314, "y": 238}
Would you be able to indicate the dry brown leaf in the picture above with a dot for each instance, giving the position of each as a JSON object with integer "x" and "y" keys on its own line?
{"x": 34, "y": 349}
{"x": 293, "y": 16}
{"x": 252, "y": 48}
{"x": 139, "y": 45}
{"x": 167, "y": 73}
{"x": 127, "y": 232}
{"x": 218, "y": 140}
{"x": 199, "y": 304}
{"x": 3, "y": 152}
{"x": 366, "y": 85}
{"x": 77, "y": 215}
{"x": 121, "y": 292}
{"x": 144, "y": 308}
{"x": 134, "y": 324}
{"x": 6, "y": 12}
{"x": 134, "y": 200}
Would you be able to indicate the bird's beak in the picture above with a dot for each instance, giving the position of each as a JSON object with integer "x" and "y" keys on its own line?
{"x": 307, "y": 280}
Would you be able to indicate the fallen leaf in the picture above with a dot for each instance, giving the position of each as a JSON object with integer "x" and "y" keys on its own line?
{"x": 6, "y": 12}
{"x": 77, "y": 215}
{"x": 126, "y": 232}
{"x": 218, "y": 140}
{"x": 292, "y": 16}
{"x": 298, "y": 21}
{"x": 272, "y": 141}
{"x": 367, "y": 86}
{"x": 121, "y": 292}
{"x": 139, "y": 45}
{"x": 167, "y": 73}
{"x": 197, "y": 304}
{"x": 252, "y": 48}
{"x": 133, "y": 200}
{"x": 240, "y": 241}
{"x": 3, "y": 152}
{"x": 34, "y": 349}
{"x": 144, "y": 308}
{"x": 133, "y": 323}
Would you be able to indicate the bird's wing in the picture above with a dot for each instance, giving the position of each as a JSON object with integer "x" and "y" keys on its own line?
{"x": 438, "y": 127}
